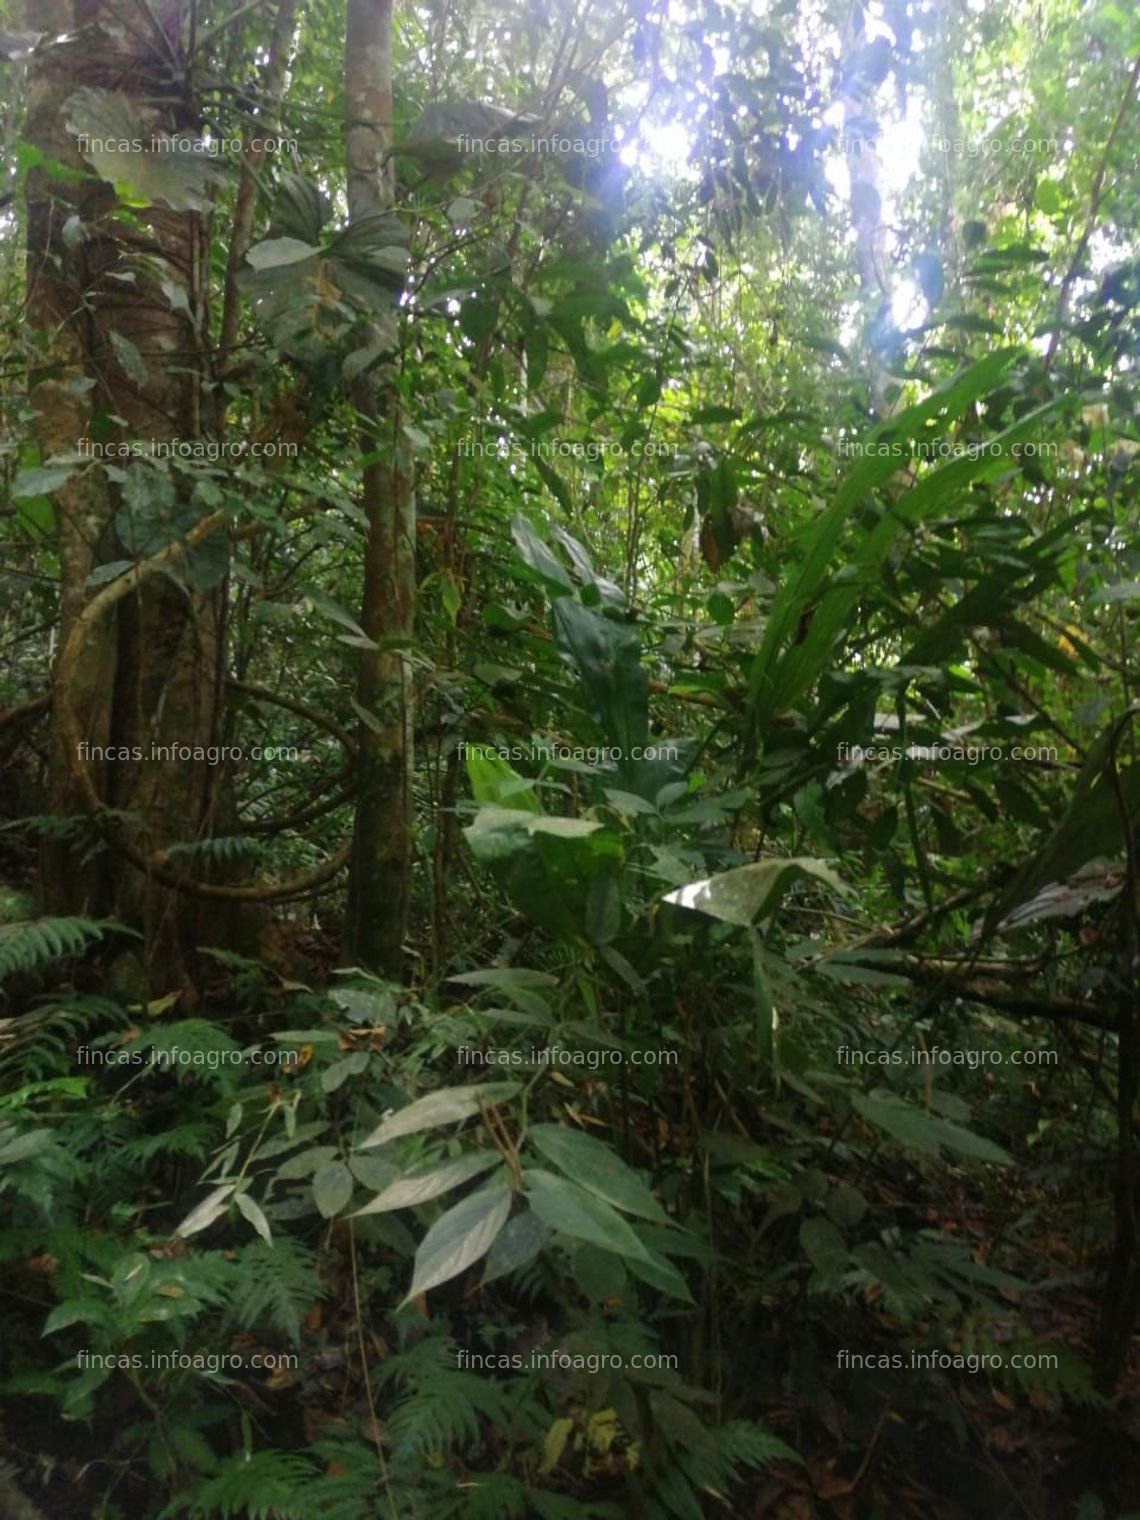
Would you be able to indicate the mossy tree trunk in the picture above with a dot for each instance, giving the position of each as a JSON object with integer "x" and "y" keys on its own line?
{"x": 122, "y": 292}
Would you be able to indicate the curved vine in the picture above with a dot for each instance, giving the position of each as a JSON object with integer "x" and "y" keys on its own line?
{"x": 155, "y": 865}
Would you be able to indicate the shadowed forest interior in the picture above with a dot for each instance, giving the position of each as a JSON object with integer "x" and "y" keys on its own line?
{"x": 569, "y": 777}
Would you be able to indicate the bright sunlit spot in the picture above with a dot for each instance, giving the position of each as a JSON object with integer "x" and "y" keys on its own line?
{"x": 664, "y": 149}
{"x": 897, "y": 150}
{"x": 908, "y": 305}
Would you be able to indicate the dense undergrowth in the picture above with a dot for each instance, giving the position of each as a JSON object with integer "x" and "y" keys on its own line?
{"x": 569, "y": 946}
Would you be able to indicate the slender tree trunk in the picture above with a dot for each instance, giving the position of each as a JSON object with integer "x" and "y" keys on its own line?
{"x": 150, "y": 674}
{"x": 379, "y": 879}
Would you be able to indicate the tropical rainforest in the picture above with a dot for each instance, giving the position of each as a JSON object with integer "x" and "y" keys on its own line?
{"x": 569, "y": 773}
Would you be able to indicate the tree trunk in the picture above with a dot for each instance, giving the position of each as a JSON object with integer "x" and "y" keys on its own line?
{"x": 379, "y": 879}
{"x": 151, "y": 675}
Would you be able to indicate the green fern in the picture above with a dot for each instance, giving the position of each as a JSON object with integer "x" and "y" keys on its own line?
{"x": 193, "y": 1140}
{"x": 493, "y": 1496}
{"x": 42, "y": 1042}
{"x": 731, "y": 1450}
{"x": 225, "y": 850}
{"x": 260, "y": 1485}
{"x": 75, "y": 829}
{"x": 441, "y": 1412}
{"x": 33, "y": 943}
{"x": 274, "y": 1285}
{"x": 1071, "y": 1379}
{"x": 744, "y": 1444}
{"x": 351, "y": 1486}
{"x": 198, "y": 1038}
{"x": 442, "y": 1405}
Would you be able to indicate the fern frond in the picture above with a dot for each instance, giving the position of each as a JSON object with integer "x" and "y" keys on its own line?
{"x": 193, "y": 1140}
{"x": 32, "y": 943}
{"x": 259, "y": 1485}
{"x": 75, "y": 829}
{"x": 195, "y": 1037}
{"x": 273, "y": 1286}
{"x": 744, "y": 1444}
{"x": 350, "y": 1488}
{"x": 442, "y": 1412}
{"x": 224, "y": 850}
{"x": 441, "y": 1404}
{"x": 492, "y": 1496}
{"x": 43, "y": 1040}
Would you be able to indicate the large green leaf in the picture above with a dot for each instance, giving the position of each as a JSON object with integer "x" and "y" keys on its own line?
{"x": 447, "y": 1106}
{"x": 332, "y": 1188}
{"x": 459, "y": 1238}
{"x": 494, "y": 780}
{"x": 539, "y": 558}
{"x": 608, "y": 659}
{"x": 1101, "y": 811}
{"x": 426, "y": 1182}
{"x": 522, "y": 1238}
{"x": 566, "y": 1207}
{"x": 498, "y": 831}
{"x": 924, "y": 1132}
{"x": 548, "y": 865}
{"x": 661, "y": 1274}
{"x": 144, "y": 165}
{"x": 309, "y": 298}
{"x": 39, "y": 480}
{"x": 212, "y": 1207}
{"x": 742, "y": 895}
{"x": 597, "y": 1168}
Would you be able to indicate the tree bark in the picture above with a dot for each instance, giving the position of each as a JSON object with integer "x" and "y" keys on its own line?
{"x": 380, "y": 871}
{"x": 149, "y": 673}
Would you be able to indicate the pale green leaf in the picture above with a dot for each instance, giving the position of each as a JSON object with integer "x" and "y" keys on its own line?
{"x": 459, "y": 1238}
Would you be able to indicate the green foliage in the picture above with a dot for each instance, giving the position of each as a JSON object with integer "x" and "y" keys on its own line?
{"x": 441, "y": 1407}
{"x": 35, "y": 943}
{"x": 775, "y": 571}
{"x": 251, "y": 1485}
{"x": 273, "y": 1286}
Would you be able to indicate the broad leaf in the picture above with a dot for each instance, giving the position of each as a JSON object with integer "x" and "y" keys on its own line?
{"x": 332, "y": 1188}
{"x": 924, "y": 1132}
{"x": 143, "y": 165}
{"x": 742, "y": 895}
{"x": 566, "y": 1207}
{"x": 597, "y": 1168}
{"x": 459, "y": 1238}
{"x": 523, "y": 1237}
{"x": 212, "y": 1207}
{"x": 256, "y": 1217}
{"x": 447, "y": 1106}
{"x": 427, "y": 1182}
